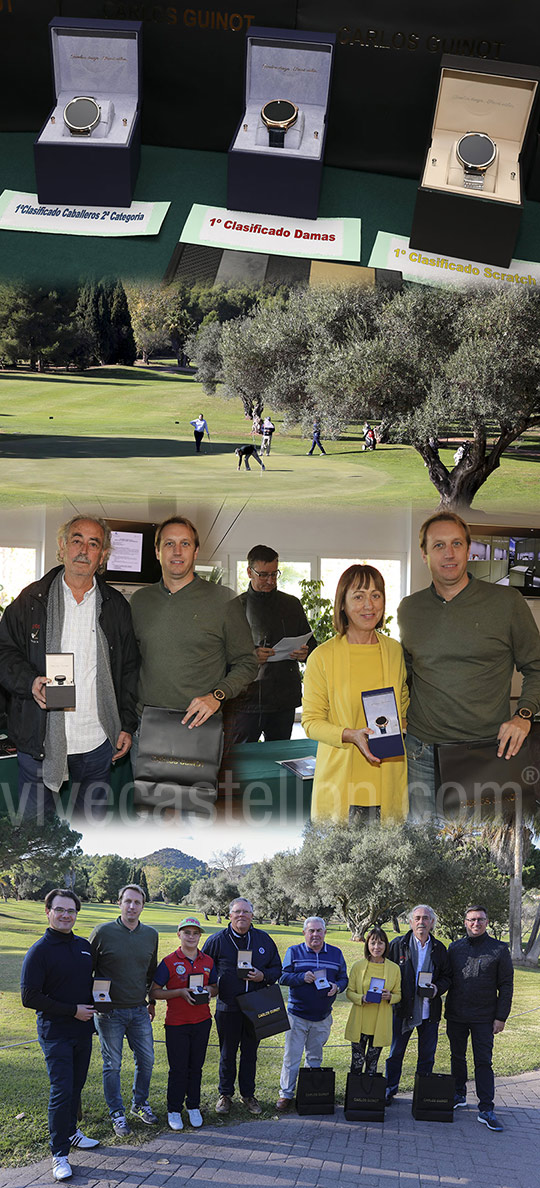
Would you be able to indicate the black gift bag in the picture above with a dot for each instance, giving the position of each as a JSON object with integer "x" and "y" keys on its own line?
{"x": 433, "y": 1098}
{"x": 265, "y": 1011}
{"x": 365, "y": 1097}
{"x": 316, "y": 1091}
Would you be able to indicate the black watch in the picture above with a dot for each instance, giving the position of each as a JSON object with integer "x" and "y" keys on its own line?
{"x": 475, "y": 152}
{"x": 278, "y": 115}
{"x": 219, "y": 694}
{"x": 524, "y": 713}
{"x": 81, "y": 115}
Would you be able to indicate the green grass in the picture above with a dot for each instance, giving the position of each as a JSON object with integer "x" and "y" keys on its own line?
{"x": 23, "y": 1079}
{"x": 124, "y": 433}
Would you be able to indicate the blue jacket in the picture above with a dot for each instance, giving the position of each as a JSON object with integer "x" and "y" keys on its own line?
{"x": 224, "y": 950}
{"x": 56, "y": 976}
{"x": 304, "y": 998}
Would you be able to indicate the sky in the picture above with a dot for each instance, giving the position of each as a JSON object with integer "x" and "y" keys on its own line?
{"x": 199, "y": 840}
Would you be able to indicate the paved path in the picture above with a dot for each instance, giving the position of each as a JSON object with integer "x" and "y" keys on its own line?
{"x": 293, "y": 1152}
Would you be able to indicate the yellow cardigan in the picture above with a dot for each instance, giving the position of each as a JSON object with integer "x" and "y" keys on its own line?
{"x": 330, "y": 705}
{"x": 358, "y": 985}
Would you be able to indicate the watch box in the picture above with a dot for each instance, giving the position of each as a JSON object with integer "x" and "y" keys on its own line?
{"x": 267, "y": 172}
{"x": 470, "y": 209}
{"x": 100, "y": 61}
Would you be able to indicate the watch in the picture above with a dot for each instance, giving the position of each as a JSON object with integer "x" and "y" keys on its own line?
{"x": 278, "y": 115}
{"x": 219, "y": 694}
{"x": 81, "y": 115}
{"x": 524, "y": 713}
{"x": 476, "y": 151}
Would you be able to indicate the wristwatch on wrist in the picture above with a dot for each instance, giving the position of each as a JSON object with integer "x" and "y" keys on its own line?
{"x": 524, "y": 713}
{"x": 278, "y": 115}
{"x": 219, "y": 694}
{"x": 81, "y": 115}
{"x": 476, "y": 151}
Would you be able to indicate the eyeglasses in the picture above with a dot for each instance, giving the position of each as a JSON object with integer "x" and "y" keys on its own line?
{"x": 64, "y": 911}
{"x": 271, "y": 577}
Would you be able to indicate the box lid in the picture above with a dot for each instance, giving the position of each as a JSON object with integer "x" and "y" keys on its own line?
{"x": 92, "y": 57}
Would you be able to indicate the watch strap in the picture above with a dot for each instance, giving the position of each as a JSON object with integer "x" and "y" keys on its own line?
{"x": 276, "y": 137}
{"x": 473, "y": 180}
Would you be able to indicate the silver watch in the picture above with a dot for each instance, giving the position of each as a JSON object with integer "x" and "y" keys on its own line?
{"x": 81, "y": 115}
{"x": 475, "y": 151}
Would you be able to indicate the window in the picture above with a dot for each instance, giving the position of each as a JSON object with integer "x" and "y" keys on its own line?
{"x": 17, "y": 570}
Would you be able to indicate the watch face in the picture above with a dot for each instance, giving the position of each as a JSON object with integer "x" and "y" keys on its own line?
{"x": 280, "y": 112}
{"x": 476, "y": 150}
{"x": 82, "y": 114}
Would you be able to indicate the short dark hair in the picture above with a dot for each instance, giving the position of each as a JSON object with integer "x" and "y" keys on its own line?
{"x": 261, "y": 553}
{"x": 66, "y": 893}
{"x": 356, "y": 577}
{"x": 380, "y": 934}
{"x": 131, "y": 887}
{"x": 177, "y": 520}
{"x": 443, "y": 517}
{"x": 477, "y": 907}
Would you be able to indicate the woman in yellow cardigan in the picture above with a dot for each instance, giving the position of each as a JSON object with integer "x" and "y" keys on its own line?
{"x": 369, "y": 1026}
{"x": 349, "y": 779}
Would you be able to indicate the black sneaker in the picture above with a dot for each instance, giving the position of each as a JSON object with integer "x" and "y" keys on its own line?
{"x": 119, "y": 1124}
{"x": 460, "y": 1099}
{"x": 490, "y": 1119}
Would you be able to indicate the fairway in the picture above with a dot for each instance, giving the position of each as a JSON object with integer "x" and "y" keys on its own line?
{"x": 24, "y": 1085}
{"x": 124, "y": 433}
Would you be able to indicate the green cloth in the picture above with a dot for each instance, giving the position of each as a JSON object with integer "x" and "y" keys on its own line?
{"x": 191, "y": 642}
{"x": 128, "y": 957}
{"x": 461, "y": 656}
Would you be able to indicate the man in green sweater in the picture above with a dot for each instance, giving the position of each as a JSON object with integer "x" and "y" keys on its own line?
{"x": 462, "y": 639}
{"x": 124, "y": 953}
{"x": 194, "y": 638}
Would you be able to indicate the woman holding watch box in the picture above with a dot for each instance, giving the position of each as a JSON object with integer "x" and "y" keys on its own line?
{"x": 187, "y": 1022}
{"x": 369, "y": 1026}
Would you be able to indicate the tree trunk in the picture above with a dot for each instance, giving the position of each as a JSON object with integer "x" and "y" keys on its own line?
{"x": 516, "y": 885}
{"x": 532, "y": 950}
{"x": 457, "y": 488}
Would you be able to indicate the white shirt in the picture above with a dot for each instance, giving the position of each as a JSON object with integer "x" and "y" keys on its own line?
{"x": 84, "y": 731}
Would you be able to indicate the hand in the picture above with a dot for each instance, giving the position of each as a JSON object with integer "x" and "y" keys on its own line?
{"x": 514, "y": 734}
{"x": 187, "y": 995}
{"x": 200, "y": 709}
{"x": 333, "y": 990}
{"x": 263, "y": 654}
{"x": 300, "y": 654}
{"x": 386, "y": 996}
{"x": 151, "y": 1008}
{"x": 498, "y": 1026}
{"x": 38, "y": 690}
{"x": 360, "y": 739}
{"x": 123, "y": 744}
{"x": 309, "y": 976}
{"x": 255, "y": 975}
{"x": 85, "y": 1012}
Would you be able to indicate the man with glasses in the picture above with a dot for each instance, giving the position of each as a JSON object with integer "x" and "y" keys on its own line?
{"x": 478, "y": 1004}
{"x": 234, "y": 1030}
{"x": 268, "y": 705}
{"x": 56, "y": 981}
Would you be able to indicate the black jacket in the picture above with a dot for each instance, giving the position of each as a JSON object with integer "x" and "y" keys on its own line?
{"x": 22, "y": 658}
{"x": 55, "y": 977}
{"x": 272, "y": 616}
{"x": 482, "y": 980}
{"x": 399, "y": 953}
{"x": 224, "y": 952}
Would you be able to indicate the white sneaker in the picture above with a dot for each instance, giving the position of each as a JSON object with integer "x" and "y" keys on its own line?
{"x": 81, "y": 1140}
{"x": 195, "y": 1117}
{"x": 61, "y": 1169}
{"x": 175, "y": 1121}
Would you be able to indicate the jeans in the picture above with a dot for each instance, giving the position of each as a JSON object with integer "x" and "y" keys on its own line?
{"x": 133, "y": 1023}
{"x": 428, "y": 1033}
{"x": 235, "y": 1032}
{"x": 422, "y": 789}
{"x": 67, "y": 1059}
{"x": 305, "y": 1033}
{"x": 186, "y": 1050}
{"x": 275, "y": 725}
{"x": 90, "y": 773}
{"x": 482, "y": 1044}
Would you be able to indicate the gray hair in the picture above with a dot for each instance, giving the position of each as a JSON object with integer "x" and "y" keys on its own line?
{"x": 313, "y": 920}
{"x": 64, "y": 530}
{"x": 426, "y": 908}
{"x": 240, "y": 899}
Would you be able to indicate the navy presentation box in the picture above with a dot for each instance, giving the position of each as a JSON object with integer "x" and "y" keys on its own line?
{"x": 101, "y": 60}
{"x": 295, "y": 66}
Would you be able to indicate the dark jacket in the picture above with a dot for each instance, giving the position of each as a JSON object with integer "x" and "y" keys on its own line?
{"x": 23, "y": 629}
{"x": 399, "y": 953}
{"x": 272, "y": 616}
{"x": 482, "y": 980}
{"x": 56, "y": 976}
{"x": 224, "y": 951}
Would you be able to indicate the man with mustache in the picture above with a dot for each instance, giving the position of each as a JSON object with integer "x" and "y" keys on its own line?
{"x": 70, "y": 610}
